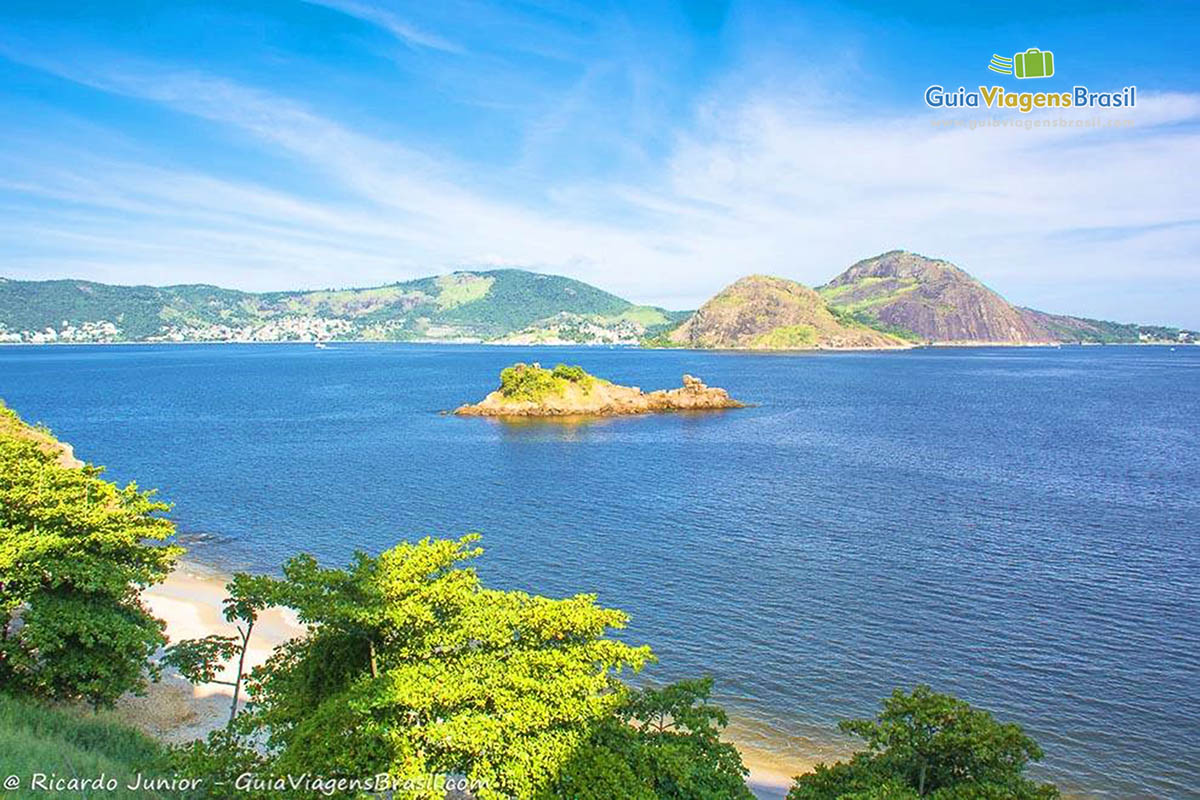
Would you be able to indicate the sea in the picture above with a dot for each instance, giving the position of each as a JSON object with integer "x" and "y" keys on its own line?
{"x": 1016, "y": 526}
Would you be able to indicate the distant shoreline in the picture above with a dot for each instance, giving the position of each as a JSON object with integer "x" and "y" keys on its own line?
{"x": 607, "y": 346}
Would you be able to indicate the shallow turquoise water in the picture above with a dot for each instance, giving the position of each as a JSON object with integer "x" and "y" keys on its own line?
{"x": 1019, "y": 527}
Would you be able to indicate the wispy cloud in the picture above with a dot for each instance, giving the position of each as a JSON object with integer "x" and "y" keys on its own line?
{"x": 759, "y": 182}
{"x": 398, "y": 27}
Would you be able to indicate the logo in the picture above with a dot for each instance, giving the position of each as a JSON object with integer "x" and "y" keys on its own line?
{"x": 1033, "y": 63}
{"x": 1001, "y": 64}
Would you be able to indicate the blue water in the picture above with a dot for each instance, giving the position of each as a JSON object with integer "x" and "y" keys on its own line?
{"x": 1018, "y": 527}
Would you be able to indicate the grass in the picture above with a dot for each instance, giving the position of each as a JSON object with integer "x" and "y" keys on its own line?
{"x": 883, "y": 295}
{"x": 68, "y": 743}
{"x": 788, "y": 336}
{"x": 864, "y": 319}
{"x": 458, "y": 290}
{"x": 646, "y": 316}
{"x": 830, "y": 293}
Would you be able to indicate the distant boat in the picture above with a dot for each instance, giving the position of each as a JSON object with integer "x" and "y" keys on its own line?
{"x": 321, "y": 345}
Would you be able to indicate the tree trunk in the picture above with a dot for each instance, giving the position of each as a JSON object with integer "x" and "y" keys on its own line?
{"x": 237, "y": 682}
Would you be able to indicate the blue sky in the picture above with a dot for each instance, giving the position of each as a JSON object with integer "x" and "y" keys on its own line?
{"x": 658, "y": 150}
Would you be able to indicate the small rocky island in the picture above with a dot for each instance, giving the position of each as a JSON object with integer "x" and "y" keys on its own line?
{"x": 530, "y": 390}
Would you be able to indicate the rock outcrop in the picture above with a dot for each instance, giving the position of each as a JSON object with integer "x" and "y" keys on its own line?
{"x": 931, "y": 299}
{"x": 531, "y": 391}
{"x": 761, "y": 312}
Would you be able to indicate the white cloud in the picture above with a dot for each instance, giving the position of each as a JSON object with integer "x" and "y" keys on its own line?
{"x": 1054, "y": 216}
{"x": 996, "y": 200}
{"x": 400, "y": 28}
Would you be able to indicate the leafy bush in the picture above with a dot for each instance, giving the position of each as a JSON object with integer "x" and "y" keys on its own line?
{"x": 528, "y": 382}
{"x": 925, "y": 744}
{"x": 410, "y": 667}
{"x": 575, "y": 374}
{"x": 661, "y": 744}
{"x": 75, "y": 550}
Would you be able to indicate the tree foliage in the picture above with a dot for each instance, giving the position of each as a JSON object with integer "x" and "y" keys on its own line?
{"x": 661, "y": 744}
{"x": 925, "y": 744}
{"x": 533, "y": 382}
{"x": 75, "y": 552}
{"x": 201, "y": 660}
{"x": 410, "y": 667}
{"x": 529, "y": 382}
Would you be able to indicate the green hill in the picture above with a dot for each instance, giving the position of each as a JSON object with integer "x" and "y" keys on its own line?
{"x": 460, "y": 306}
{"x": 1098, "y": 331}
{"x": 895, "y": 295}
{"x": 761, "y": 312}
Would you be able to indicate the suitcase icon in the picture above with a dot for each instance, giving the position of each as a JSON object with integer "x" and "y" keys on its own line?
{"x": 1033, "y": 63}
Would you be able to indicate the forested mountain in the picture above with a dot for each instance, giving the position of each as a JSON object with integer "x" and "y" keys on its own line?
{"x": 892, "y": 299}
{"x": 483, "y": 305}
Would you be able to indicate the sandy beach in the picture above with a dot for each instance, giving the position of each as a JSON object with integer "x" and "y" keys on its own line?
{"x": 190, "y": 602}
{"x": 173, "y": 710}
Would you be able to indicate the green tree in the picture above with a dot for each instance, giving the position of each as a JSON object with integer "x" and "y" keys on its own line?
{"x": 528, "y": 382}
{"x": 75, "y": 553}
{"x": 660, "y": 744}
{"x": 411, "y": 667}
{"x": 927, "y": 744}
{"x": 200, "y": 660}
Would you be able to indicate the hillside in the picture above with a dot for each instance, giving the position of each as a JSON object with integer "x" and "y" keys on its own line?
{"x": 929, "y": 299}
{"x": 68, "y": 742}
{"x": 1097, "y": 331}
{"x": 12, "y": 426}
{"x": 760, "y": 312}
{"x": 460, "y": 306}
{"x": 630, "y": 326}
{"x": 875, "y": 303}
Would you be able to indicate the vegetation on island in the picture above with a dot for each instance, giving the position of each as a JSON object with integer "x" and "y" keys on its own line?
{"x": 533, "y": 383}
{"x": 531, "y": 390}
{"x": 408, "y": 667}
